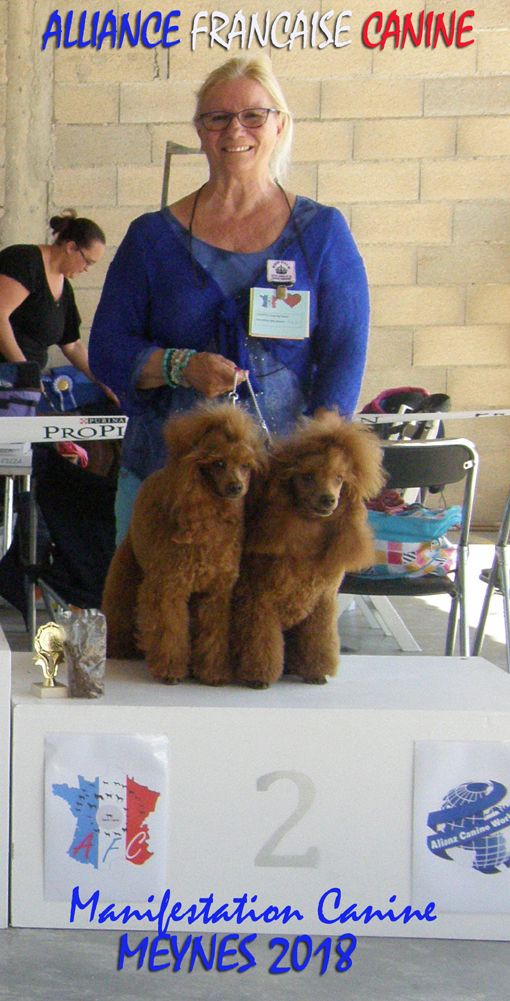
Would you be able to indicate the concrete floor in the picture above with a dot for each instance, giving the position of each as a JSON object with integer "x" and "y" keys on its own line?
{"x": 81, "y": 966}
{"x": 45, "y": 965}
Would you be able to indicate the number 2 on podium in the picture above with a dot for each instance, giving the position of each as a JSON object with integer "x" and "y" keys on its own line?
{"x": 306, "y": 795}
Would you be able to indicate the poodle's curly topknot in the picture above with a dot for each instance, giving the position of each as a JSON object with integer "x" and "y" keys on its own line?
{"x": 184, "y": 432}
{"x": 314, "y": 435}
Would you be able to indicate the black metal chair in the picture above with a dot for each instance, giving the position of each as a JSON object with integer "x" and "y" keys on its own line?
{"x": 499, "y": 576}
{"x": 426, "y": 465}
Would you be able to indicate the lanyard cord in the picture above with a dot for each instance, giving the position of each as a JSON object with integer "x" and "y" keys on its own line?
{"x": 296, "y": 228}
{"x": 201, "y": 281}
{"x": 292, "y": 219}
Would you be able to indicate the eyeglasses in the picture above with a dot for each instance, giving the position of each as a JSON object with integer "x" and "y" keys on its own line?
{"x": 87, "y": 260}
{"x": 249, "y": 118}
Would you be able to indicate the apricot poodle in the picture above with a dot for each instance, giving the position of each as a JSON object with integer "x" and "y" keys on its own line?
{"x": 167, "y": 592}
{"x": 306, "y": 528}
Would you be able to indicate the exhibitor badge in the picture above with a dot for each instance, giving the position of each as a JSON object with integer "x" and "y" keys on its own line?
{"x": 281, "y": 272}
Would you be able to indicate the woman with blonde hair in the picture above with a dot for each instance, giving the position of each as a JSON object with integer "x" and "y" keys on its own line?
{"x": 240, "y": 275}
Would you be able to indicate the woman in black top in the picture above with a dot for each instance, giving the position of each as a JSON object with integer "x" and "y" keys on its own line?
{"x": 37, "y": 304}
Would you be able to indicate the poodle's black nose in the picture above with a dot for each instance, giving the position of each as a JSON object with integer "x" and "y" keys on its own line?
{"x": 234, "y": 489}
{"x": 327, "y": 500}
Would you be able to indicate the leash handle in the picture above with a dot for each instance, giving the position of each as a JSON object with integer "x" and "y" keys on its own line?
{"x": 234, "y": 395}
{"x": 257, "y": 409}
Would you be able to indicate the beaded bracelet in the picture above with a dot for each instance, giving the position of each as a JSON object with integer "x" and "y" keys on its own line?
{"x": 180, "y": 359}
{"x": 175, "y": 361}
{"x": 165, "y": 365}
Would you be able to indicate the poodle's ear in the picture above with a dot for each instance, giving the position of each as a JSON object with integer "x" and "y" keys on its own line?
{"x": 250, "y": 435}
{"x": 365, "y": 454}
{"x": 258, "y": 484}
{"x": 259, "y": 458}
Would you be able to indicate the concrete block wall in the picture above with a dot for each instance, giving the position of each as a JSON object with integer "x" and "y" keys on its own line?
{"x": 3, "y": 94}
{"x": 411, "y": 143}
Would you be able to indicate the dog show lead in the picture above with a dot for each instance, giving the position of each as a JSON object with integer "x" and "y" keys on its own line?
{"x": 240, "y": 275}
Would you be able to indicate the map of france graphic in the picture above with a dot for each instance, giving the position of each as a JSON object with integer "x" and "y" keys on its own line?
{"x": 117, "y": 810}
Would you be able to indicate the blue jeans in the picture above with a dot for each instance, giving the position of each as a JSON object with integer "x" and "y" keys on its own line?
{"x": 127, "y": 489}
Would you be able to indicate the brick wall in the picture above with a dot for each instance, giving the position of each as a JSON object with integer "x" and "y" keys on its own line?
{"x": 411, "y": 144}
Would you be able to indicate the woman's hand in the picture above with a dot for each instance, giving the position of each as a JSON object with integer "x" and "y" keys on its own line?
{"x": 77, "y": 354}
{"x": 211, "y": 374}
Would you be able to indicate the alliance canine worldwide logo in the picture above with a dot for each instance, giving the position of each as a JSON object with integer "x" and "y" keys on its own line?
{"x": 473, "y": 819}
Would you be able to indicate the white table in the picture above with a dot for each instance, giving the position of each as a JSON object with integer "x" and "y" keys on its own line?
{"x": 241, "y": 761}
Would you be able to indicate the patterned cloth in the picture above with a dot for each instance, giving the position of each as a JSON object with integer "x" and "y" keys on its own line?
{"x": 413, "y": 543}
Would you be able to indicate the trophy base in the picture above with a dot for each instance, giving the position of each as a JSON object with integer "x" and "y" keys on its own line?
{"x": 56, "y": 691}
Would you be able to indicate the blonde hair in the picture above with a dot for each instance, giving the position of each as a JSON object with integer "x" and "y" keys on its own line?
{"x": 259, "y": 69}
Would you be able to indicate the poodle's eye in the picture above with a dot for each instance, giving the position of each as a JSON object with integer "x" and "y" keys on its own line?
{"x": 308, "y": 478}
{"x": 245, "y": 467}
{"x": 219, "y": 464}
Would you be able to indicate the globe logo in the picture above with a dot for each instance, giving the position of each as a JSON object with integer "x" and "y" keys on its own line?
{"x": 473, "y": 819}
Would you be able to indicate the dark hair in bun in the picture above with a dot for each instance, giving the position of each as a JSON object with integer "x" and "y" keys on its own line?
{"x": 68, "y": 226}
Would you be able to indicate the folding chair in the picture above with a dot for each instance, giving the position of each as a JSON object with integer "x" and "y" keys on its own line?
{"x": 499, "y": 576}
{"x": 426, "y": 465}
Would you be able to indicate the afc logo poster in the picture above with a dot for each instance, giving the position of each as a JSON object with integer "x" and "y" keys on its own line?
{"x": 105, "y": 814}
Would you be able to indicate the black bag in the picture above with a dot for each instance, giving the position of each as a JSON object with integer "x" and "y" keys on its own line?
{"x": 407, "y": 400}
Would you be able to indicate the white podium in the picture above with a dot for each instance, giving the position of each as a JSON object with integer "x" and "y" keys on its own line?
{"x": 5, "y": 762}
{"x": 280, "y": 794}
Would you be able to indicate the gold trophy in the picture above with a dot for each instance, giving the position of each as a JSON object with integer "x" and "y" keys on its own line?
{"x": 48, "y": 656}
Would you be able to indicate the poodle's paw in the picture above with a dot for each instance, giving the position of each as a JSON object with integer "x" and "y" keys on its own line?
{"x": 258, "y": 674}
{"x": 215, "y": 678}
{"x": 165, "y": 674}
{"x": 319, "y": 680}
